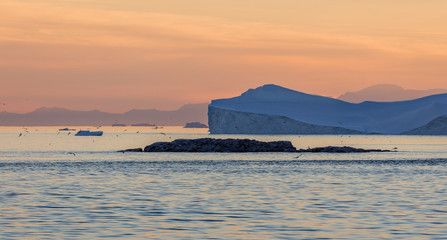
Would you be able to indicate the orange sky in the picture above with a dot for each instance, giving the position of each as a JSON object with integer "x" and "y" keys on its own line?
{"x": 116, "y": 55}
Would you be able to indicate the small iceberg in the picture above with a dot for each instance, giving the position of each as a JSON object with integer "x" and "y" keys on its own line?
{"x": 88, "y": 133}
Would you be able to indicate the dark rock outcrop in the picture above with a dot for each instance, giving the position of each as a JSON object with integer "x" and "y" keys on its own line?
{"x": 345, "y": 149}
{"x": 131, "y": 150}
{"x": 240, "y": 145}
{"x": 195, "y": 125}
{"x": 143, "y": 125}
{"x": 220, "y": 145}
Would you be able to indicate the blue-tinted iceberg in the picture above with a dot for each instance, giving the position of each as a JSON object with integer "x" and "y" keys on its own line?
{"x": 272, "y": 109}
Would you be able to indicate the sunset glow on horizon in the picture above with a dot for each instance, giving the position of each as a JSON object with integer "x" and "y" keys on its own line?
{"x": 114, "y": 56}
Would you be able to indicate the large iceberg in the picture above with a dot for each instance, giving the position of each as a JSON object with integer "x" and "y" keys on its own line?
{"x": 272, "y": 109}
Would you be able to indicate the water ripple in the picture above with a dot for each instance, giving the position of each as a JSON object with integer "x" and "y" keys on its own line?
{"x": 224, "y": 199}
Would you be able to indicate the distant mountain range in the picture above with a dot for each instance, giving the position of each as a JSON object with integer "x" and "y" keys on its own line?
{"x": 272, "y": 109}
{"x": 65, "y": 117}
{"x": 387, "y": 93}
{"x": 189, "y": 112}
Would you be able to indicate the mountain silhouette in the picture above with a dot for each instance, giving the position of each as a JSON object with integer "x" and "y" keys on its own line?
{"x": 387, "y": 93}
{"x": 64, "y": 117}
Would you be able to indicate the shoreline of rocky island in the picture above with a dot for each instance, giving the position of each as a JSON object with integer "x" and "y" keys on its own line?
{"x": 239, "y": 146}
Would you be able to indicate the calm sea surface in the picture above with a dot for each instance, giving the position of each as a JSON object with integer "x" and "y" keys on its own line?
{"x": 58, "y": 186}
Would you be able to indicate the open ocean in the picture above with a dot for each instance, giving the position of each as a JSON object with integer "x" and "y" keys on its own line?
{"x": 58, "y": 186}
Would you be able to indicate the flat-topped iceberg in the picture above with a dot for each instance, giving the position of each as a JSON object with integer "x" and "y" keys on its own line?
{"x": 272, "y": 109}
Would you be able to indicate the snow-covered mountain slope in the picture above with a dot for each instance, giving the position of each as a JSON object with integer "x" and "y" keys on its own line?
{"x": 366, "y": 117}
